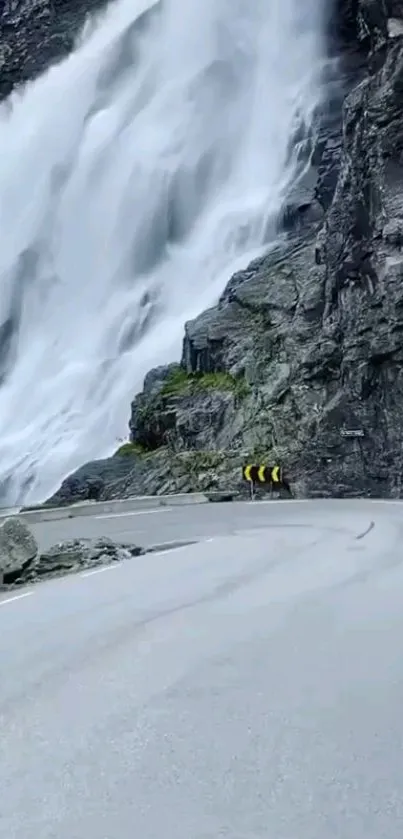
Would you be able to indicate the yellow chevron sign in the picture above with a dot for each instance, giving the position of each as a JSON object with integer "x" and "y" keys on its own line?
{"x": 247, "y": 472}
{"x": 261, "y": 474}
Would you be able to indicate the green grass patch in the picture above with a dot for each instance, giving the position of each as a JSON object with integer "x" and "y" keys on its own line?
{"x": 181, "y": 383}
{"x": 129, "y": 449}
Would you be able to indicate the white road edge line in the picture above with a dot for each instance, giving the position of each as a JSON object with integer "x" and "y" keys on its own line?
{"x": 151, "y": 553}
{"x": 136, "y": 513}
{"x": 119, "y": 564}
{"x": 100, "y": 570}
{"x": 169, "y": 550}
{"x": 279, "y": 501}
{"x": 16, "y": 597}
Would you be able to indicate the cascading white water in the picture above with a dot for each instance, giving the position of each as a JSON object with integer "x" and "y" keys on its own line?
{"x": 135, "y": 177}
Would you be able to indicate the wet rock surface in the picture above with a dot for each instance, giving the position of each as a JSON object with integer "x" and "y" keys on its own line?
{"x": 35, "y": 34}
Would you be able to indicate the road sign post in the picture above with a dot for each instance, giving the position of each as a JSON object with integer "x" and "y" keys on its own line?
{"x": 250, "y": 476}
{"x": 260, "y": 474}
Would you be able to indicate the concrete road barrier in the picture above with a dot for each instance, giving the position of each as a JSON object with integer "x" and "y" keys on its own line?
{"x": 98, "y": 508}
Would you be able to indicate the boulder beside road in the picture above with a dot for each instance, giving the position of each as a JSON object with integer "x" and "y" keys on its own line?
{"x": 77, "y": 555}
{"x": 21, "y": 563}
{"x": 18, "y": 549}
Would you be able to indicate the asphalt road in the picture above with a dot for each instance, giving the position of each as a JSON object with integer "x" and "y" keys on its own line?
{"x": 171, "y": 524}
{"x": 247, "y": 686}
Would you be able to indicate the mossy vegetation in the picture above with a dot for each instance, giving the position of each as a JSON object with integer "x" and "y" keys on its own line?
{"x": 181, "y": 383}
{"x": 129, "y": 449}
{"x": 201, "y": 461}
{"x": 201, "y": 468}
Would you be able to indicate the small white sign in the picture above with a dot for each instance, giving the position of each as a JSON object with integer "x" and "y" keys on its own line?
{"x": 352, "y": 432}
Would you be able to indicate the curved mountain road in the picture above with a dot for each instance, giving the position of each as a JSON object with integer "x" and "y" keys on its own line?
{"x": 246, "y": 686}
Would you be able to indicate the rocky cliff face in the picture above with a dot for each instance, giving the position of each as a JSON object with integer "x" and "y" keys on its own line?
{"x": 35, "y": 34}
{"x": 300, "y": 361}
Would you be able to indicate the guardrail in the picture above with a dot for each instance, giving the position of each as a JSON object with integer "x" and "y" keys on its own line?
{"x": 89, "y": 508}
{"x": 6, "y": 512}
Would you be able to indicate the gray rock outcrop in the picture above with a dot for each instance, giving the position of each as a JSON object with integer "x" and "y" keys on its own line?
{"x": 36, "y": 33}
{"x": 80, "y": 554}
{"x": 70, "y": 557}
{"x": 18, "y": 549}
